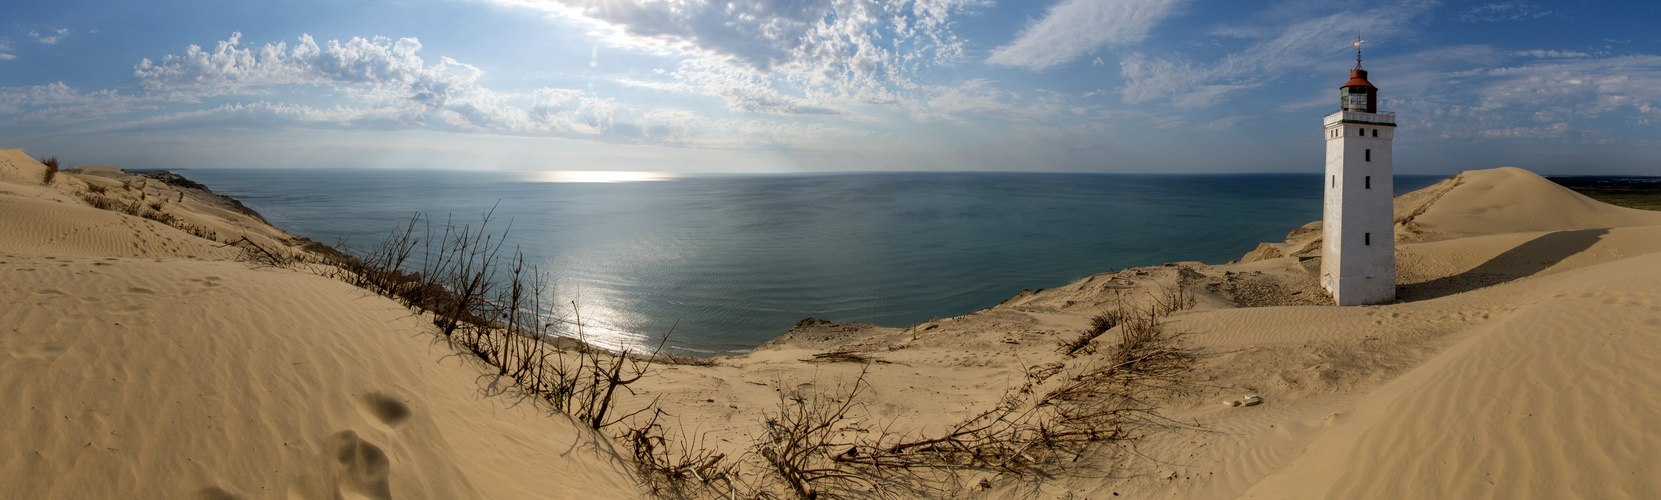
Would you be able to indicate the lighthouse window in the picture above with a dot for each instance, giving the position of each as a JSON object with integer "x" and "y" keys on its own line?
{"x": 1369, "y": 182}
{"x": 1369, "y": 155}
{"x": 1375, "y": 132}
{"x": 1366, "y": 238}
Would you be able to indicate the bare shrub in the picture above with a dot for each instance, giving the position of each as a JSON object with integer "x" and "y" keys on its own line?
{"x": 1172, "y": 299}
{"x": 96, "y": 188}
{"x": 803, "y": 436}
{"x": 1103, "y": 321}
{"x": 813, "y": 446}
{"x": 586, "y": 388}
{"x": 51, "y": 163}
{"x": 497, "y": 314}
{"x": 679, "y": 467}
{"x": 253, "y": 252}
{"x": 1099, "y": 324}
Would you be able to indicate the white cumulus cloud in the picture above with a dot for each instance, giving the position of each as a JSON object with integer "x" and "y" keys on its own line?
{"x": 374, "y": 61}
{"x": 51, "y": 37}
{"x": 785, "y": 57}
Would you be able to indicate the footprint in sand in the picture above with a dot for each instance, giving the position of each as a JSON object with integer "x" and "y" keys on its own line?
{"x": 388, "y": 409}
{"x": 348, "y": 465}
{"x": 215, "y": 493}
{"x": 43, "y": 350}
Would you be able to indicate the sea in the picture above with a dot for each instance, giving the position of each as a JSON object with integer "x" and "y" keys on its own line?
{"x": 723, "y": 263}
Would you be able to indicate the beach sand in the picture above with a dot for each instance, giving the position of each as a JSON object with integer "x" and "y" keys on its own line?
{"x": 141, "y": 361}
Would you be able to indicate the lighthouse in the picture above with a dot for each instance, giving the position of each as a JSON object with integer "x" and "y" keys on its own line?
{"x": 1358, "y": 253}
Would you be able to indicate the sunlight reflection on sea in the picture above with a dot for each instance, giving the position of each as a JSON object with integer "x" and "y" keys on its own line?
{"x": 598, "y": 176}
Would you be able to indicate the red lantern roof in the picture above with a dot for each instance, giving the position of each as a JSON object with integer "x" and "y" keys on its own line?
{"x": 1358, "y": 77}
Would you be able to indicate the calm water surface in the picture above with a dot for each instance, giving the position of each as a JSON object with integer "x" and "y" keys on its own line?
{"x": 737, "y": 260}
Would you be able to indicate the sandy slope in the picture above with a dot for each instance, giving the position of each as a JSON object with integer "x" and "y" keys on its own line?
{"x": 1555, "y": 400}
{"x": 1519, "y": 363}
{"x": 138, "y": 361}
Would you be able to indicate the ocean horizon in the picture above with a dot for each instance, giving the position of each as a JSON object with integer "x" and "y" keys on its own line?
{"x": 732, "y": 260}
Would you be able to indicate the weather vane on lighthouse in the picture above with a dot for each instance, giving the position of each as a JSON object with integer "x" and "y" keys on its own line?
{"x": 1358, "y": 41}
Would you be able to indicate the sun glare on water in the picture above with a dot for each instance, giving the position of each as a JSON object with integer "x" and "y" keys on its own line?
{"x": 600, "y": 176}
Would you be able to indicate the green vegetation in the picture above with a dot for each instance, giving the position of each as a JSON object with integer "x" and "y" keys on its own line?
{"x": 1632, "y": 192}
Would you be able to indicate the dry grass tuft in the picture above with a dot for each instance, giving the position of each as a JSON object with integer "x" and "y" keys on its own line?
{"x": 1172, "y": 299}
{"x": 51, "y": 163}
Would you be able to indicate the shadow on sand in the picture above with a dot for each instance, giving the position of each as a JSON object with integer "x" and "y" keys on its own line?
{"x": 1523, "y": 261}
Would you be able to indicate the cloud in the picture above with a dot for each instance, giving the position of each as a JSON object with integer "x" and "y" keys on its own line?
{"x": 1554, "y": 130}
{"x": 745, "y": 91}
{"x": 64, "y": 115}
{"x": 6, "y": 57}
{"x": 1308, "y": 44}
{"x": 51, "y": 37}
{"x": 786, "y": 57}
{"x": 1073, "y": 28}
{"x": 5, "y": 45}
{"x": 14, "y": 100}
{"x": 395, "y": 86}
{"x": 1504, "y": 11}
{"x": 1585, "y": 87}
{"x": 761, "y": 34}
{"x": 389, "y": 86}
{"x": 1553, "y": 54}
{"x": 1526, "y": 97}
{"x": 375, "y": 61}
{"x": 271, "y": 115}
{"x": 983, "y": 99}
{"x": 677, "y": 87}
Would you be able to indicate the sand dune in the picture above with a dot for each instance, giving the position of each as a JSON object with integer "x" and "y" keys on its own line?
{"x": 1555, "y": 400}
{"x": 142, "y": 361}
{"x": 1513, "y": 200}
{"x": 179, "y": 373}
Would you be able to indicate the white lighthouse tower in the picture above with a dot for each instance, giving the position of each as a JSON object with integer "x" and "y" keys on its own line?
{"x": 1358, "y": 255}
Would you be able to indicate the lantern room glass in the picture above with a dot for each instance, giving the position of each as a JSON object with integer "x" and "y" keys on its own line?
{"x": 1353, "y": 98}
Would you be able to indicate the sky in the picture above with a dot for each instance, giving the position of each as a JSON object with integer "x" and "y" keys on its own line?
{"x": 1179, "y": 86}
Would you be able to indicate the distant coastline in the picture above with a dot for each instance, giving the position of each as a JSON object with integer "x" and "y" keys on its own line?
{"x": 1642, "y": 192}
